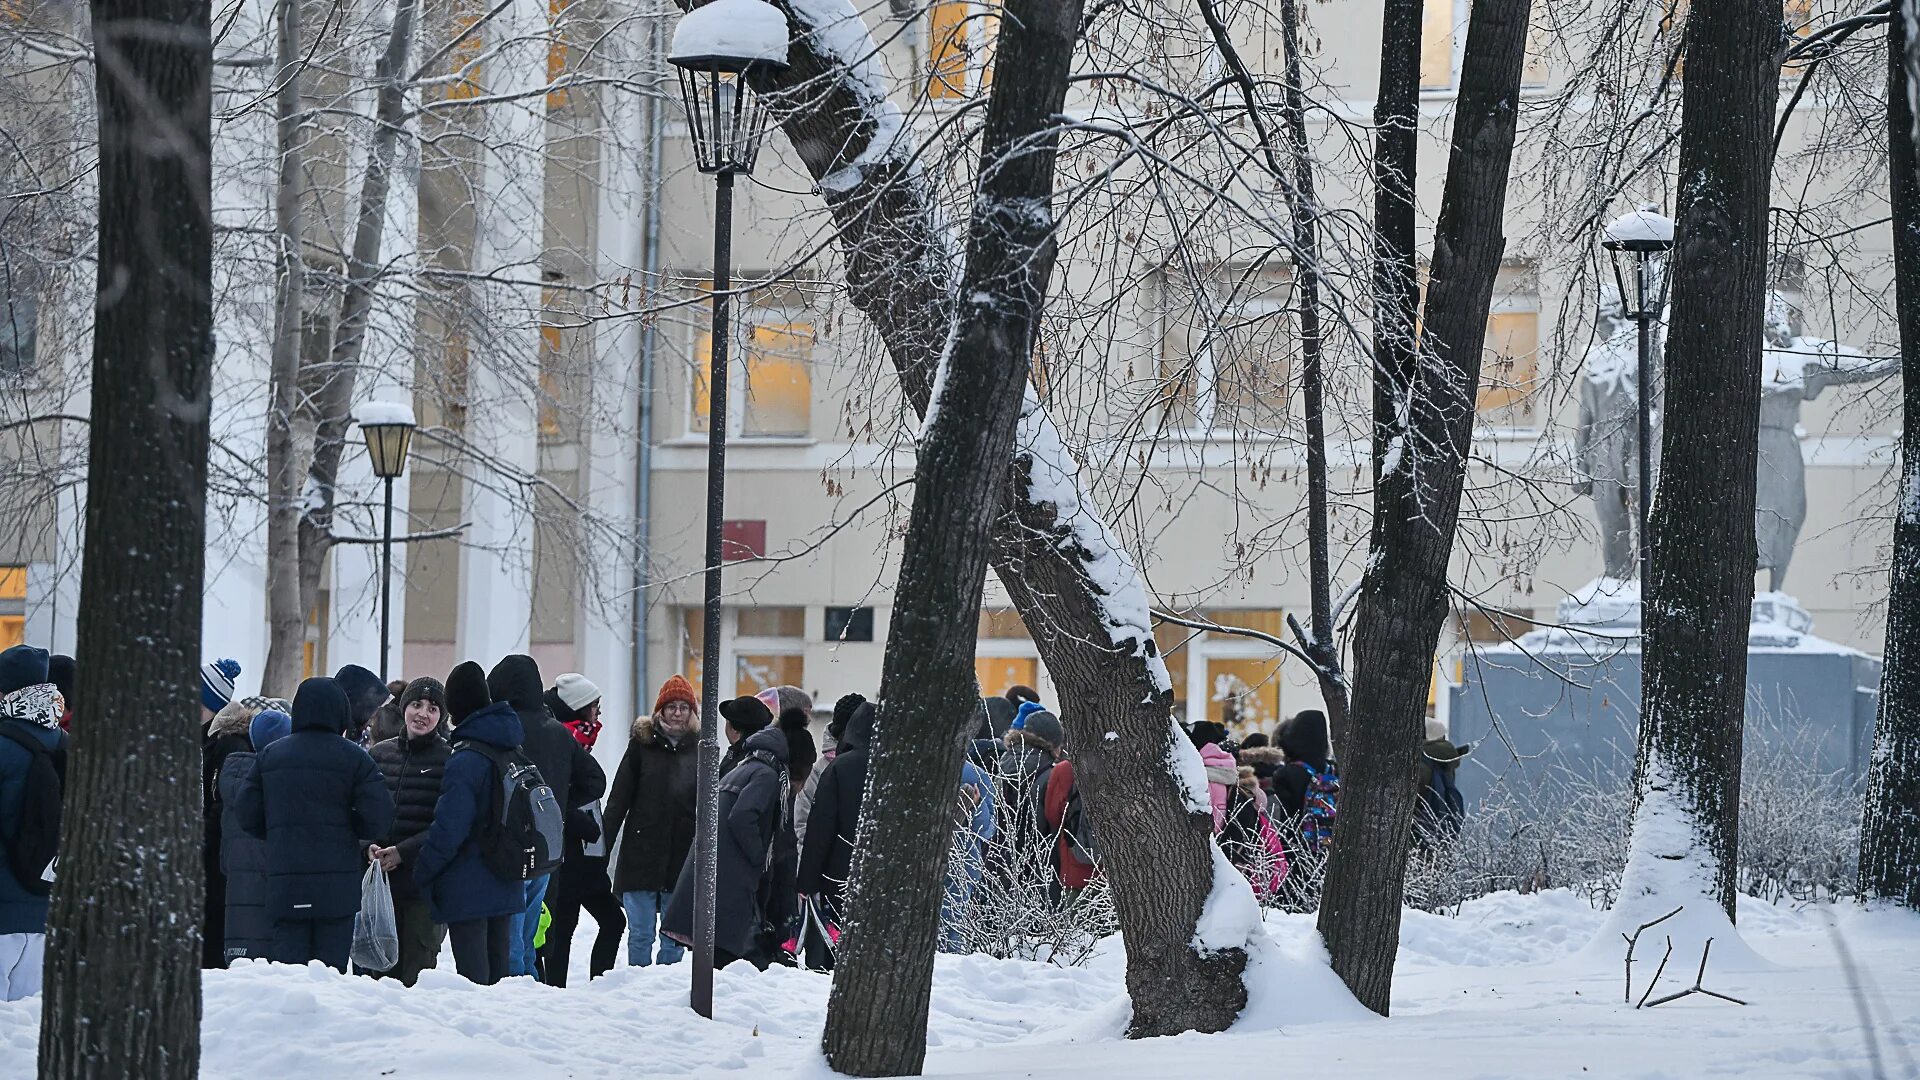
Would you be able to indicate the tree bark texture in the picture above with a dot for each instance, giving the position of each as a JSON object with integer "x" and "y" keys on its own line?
{"x": 883, "y": 979}
{"x": 287, "y": 454}
{"x": 899, "y": 275}
{"x": 324, "y": 392}
{"x": 1403, "y": 597}
{"x": 122, "y": 988}
{"x": 1890, "y": 826}
{"x": 1700, "y": 590}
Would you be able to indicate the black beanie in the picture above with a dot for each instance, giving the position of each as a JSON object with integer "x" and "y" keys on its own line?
{"x": 22, "y": 666}
{"x": 466, "y": 691}
{"x": 424, "y": 688}
{"x": 60, "y": 672}
{"x": 842, "y": 712}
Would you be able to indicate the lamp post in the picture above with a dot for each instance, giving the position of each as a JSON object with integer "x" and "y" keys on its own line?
{"x": 388, "y": 428}
{"x": 1642, "y": 237}
{"x": 721, "y": 49}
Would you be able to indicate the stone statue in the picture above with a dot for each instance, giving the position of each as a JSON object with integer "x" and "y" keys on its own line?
{"x": 1794, "y": 369}
{"x": 1607, "y": 442}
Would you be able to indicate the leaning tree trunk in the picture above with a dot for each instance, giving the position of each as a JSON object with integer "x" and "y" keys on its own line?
{"x": 1078, "y": 592}
{"x": 1403, "y": 597}
{"x": 1890, "y": 827}
{"x": 287, "y": 453}
{"x": 328, "y": 413}
{"x": 1700, "y": 588}
{"x": 883, "y": 979}
{"x": 122, "y": 996}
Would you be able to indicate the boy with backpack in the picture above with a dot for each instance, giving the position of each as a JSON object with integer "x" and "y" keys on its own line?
{"x": 1062, "y": 814}
{"x": 496, "y": 826}
{"x": 33, "y": 754}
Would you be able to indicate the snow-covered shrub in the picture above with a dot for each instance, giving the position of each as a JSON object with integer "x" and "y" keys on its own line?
{"x": 1799, "y": 825}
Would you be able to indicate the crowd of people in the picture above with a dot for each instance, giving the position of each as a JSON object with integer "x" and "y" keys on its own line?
{"x": 480, "y": 800}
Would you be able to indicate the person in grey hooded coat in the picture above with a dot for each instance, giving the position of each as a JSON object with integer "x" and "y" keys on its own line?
{"x": 753, "y": 805}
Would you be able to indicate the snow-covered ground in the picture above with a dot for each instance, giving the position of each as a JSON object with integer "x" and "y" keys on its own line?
{"x": 1502, "y": 990}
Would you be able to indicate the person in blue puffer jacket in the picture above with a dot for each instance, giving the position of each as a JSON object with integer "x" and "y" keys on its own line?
{"x": 476, "y": 904}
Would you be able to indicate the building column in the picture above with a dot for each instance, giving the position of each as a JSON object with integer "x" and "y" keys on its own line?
{"x": 503, "y": 332}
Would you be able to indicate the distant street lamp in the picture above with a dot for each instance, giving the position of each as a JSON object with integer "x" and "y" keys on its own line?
{"x": 722, "y": 49}
{"x": 1643, "y": 238}
{"x": 388, "y": 428}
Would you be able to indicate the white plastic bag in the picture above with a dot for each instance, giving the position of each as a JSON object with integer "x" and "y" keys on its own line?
{"x": 376, "y": 937}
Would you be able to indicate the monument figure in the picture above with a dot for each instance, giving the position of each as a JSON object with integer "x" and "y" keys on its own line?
{"x": 1607, "y": 441}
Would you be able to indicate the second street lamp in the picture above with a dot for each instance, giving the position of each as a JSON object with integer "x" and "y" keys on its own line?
{"x": 388, "y": 428}
{"x": 1643, "y": 238}
{"x": 722, "y": 49}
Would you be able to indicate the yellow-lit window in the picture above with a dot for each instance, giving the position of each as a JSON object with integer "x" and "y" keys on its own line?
{"x": 1673, "y": 26}
{"x": 463, "y": 58}
{"x": 997, "y": 674}
{"x": 13, "y": 583}
{"x": 1510, "y": 366}
{"x": 1271, "y": 621}
{"x": 1001, "y": 623}
{"x": 1799, "y": 19}
{"x": 558, "y": 51}
{"x": 770, "y": 383}
{"x": 1174, "y": 642}
{"x": 550, "y": 358}
{"x": 1493, "y": 627}
{"x": 778, "y": 622}
{"x": 1442, "y": 24}
{"x": 961, "y": 37}
{"x": 754, "y": 672}
{"x": 1226, "y": 358}
{"x": 1243, "y": 693}
{"x": 693, "y": 623}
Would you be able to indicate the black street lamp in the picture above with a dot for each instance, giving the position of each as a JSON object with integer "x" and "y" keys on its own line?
{"x": 388, "y": 428}
{"x": 722, "y": 49}
{"x": 1642, "y": 237}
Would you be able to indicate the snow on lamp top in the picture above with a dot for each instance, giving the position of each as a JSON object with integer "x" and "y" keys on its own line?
{"x": 1640, "y": 230}
{"x": 730, "y": 35}
{"x": 375, "y": 413}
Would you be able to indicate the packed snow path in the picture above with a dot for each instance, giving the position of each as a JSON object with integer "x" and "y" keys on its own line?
{"x": 1497, "y": 991}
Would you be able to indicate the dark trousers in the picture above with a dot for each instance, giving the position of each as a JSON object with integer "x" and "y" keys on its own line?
{"x": 213, "y": 942}
{"x": 482, "y": 948}
{"x": 565, "y": 908}
{"x": 297, "y": 941}
{"x": 420, "y": 939}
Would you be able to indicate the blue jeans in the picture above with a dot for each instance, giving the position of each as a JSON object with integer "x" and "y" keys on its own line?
{"x": 643, "y": 913}
{"x": 525, "y": 926}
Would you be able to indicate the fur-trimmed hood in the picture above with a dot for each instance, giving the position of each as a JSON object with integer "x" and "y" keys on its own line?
{"x": 643, "y": 729}
{"x": 232, "y": 719}
{"x": 1263, "y": 755}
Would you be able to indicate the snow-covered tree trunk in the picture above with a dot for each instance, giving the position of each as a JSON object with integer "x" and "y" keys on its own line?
{"x": 1700, "y": 591}
{"x": 1079, "y": 593}
{"x": 1403, "y": 598}
{"x": 883, "y": 980}
{"x": 1890, "y": 826}
{"x": 122, "y": 994}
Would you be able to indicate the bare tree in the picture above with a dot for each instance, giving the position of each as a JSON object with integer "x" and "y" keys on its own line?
{"x": 1419, "y": 474}
{"x": 1890, "y": 826}
{"x": 123, "y": 988}
{"x": 1687, "y": 773}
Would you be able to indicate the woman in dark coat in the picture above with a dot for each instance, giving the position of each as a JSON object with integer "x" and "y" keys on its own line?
{"x": 650, "y": 810}
{"x": 753, "y": 807}
{"x": 476, "y": 905}
{"x": 248, "y": 933}
{"x": 826, "y": 853}
{"x": 414, "y": 764}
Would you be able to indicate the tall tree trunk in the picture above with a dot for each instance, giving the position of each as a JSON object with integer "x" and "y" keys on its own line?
{"x": 883, "y": 980}
{"x": 287, "y": 454}
{"x": 122, "y": 994}
{"x": 1403, "y": 597}
{"x": 1074, "y": 585}
{"x": 1700, "y": 590}
{"x": 326, "y": 413}
{"x": 1890, "y": 827}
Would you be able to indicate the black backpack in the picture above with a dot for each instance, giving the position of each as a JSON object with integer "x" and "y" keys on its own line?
{"x": 525, "y": 834}
{"x": 35, "y": 837}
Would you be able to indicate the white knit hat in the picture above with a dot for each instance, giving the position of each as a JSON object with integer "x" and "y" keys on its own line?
{"x": 576, "y": 690}
{"x": 1436, "y": 728}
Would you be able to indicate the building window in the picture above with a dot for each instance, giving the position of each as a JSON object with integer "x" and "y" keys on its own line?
{"x": 770, "y": 384}
{"x": 1492, "y": 626}
{"x": 849, "y": 624}
{"x": 1226, "y": 351}
{"x": 1004, "y": 656}
{"x": 13, "y": 606}
{"x": 1237, "y": 678}
{"x": 558, "y": 51}
{"x": 1510, "y": 364}
{"x": 961, "y": 38}
{"x": 765, "y": 646}
{"x": 460, "y": 79}
{"x": 19, "y": 331}
{"x": 1443, "y": 44}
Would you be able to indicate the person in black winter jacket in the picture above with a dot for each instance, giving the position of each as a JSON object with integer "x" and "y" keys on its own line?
{"x": 478, "y": 906}
{"x": 413, "y": 765}
{"x": 315, "y": 797}
{"x": 753, "y": 801}
{"x": 226, "y": 735}
{"x": 581, "y": 882}
{"x": 248, "y": 926}
{"x": 576, "y": 779}
{"x": 826, "y": 855}
{"x": 650, "y": 810}
{"x": 1305, "y": 743}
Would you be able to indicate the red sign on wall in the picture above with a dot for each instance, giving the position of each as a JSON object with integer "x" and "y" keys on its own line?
{"x": 742, "y": 539}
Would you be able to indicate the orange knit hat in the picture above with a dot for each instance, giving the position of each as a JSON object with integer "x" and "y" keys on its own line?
{"x": 677, "y": 688}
